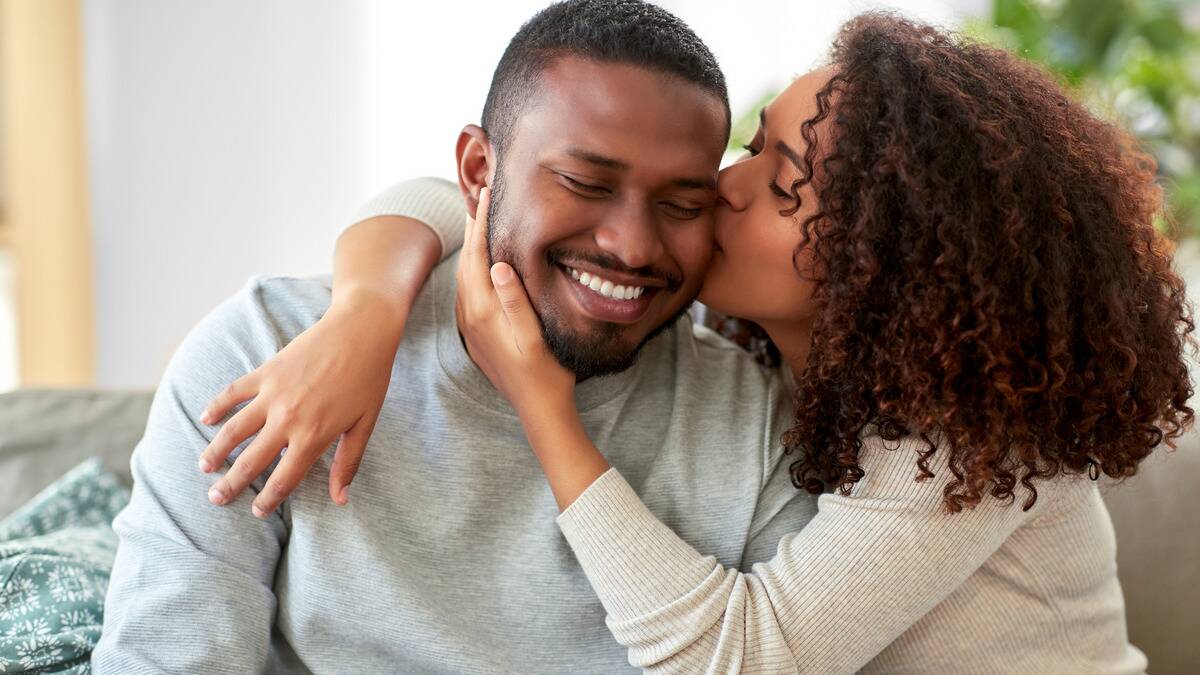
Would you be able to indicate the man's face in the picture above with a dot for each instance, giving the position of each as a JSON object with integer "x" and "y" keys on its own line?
{"x": 608, "y": 179}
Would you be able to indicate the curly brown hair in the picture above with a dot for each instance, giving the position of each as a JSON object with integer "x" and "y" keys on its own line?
{"x": 990, "y": 273}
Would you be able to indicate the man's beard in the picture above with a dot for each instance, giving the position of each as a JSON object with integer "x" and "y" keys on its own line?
{"x": 599, "y": 352}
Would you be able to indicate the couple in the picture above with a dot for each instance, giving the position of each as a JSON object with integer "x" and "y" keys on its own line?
{"x": 970, "y": 319}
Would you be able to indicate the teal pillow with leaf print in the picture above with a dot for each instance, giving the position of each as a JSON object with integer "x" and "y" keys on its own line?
{"x": 56, "y": 553}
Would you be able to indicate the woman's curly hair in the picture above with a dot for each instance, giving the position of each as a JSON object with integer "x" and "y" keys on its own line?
{"x": 989, "y": 272}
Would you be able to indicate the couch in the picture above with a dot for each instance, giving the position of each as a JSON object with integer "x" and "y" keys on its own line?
{"x": 44, "y": 433}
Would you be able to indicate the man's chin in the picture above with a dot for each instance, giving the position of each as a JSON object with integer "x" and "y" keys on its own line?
{"x": 590, "y": 357}
{"x": 605, "y": 350}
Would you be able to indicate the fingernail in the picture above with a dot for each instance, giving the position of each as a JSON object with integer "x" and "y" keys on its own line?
{"x": 205, "y": 465}
{"x": 342, "y": 495}
{"x": 206, "y": 417}
{"x": 501, "y": 273}
{"x": 216, "y": 496}
{"x": 258, "y": 513}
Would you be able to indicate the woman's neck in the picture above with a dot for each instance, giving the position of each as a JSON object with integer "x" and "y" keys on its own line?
{"x": 793, "y": 339}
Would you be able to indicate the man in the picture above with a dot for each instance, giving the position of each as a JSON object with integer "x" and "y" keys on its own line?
{"x": 605, "y": 125}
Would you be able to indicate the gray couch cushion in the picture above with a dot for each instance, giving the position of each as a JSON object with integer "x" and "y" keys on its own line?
{"x": 1158, "y": 555}
{"x": 46, "y": 432}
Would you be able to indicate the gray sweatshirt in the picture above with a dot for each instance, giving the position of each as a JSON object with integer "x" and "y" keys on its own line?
{"x": 448, "y": 557}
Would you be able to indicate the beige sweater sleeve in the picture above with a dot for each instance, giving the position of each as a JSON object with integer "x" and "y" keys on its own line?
{"x": 436, "y": 202}
{"x": 868, "y": 566}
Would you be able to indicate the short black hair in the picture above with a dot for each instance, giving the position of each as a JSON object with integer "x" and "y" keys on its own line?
{"x": 613, "y": 31}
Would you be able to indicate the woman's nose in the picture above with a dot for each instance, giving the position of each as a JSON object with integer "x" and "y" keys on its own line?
{"x": 730, "y": 194}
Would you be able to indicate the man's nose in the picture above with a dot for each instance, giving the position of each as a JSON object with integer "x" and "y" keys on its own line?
{"x": 632, "y": 235}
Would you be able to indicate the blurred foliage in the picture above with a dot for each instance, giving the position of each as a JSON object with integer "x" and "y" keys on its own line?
{"x": 1136, "y": 62}
{"x": 744, "y": 125}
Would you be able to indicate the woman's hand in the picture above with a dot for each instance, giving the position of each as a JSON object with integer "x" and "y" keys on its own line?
{"x": 332, "y": 379}
{"x": 504, "y": 338}
{"x": 501, "y": 330}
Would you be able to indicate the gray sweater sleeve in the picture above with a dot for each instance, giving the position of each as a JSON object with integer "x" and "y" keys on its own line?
{"x": 434, "y": 201}
{"x": 868, "y": 566}
{"x": 191, "y": 587}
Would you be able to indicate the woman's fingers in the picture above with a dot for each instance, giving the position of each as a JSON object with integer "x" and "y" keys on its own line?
{"x": 477, "y": 269}
{"x": 286, "y": 476}
{"x": 241, "y": 389}
{"x": 347, "y": 457}
{"x": 526, "y": 329}
{"x": 249, "y": 465}
{"x": 238, "y": 428}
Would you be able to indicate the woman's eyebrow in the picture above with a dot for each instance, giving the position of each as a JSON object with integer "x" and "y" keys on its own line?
{"x": 787, "y": 151}
{"x": 783, "y": 148}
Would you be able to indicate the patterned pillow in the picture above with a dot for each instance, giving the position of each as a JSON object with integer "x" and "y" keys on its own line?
{"x": 56, "y": 553}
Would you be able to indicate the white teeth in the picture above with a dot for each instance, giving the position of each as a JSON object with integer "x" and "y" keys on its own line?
{"x": 607, "y": 288}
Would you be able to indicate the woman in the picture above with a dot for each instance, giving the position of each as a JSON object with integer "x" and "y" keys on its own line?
{"x": 958, "y": 268}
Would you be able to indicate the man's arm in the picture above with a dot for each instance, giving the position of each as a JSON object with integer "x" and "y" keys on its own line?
{"x": 191, "y": 588}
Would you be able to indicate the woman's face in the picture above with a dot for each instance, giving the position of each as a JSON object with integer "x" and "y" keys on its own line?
{"x": 752, "y": 274}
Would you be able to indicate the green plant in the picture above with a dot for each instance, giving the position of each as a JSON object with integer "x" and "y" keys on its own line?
{"x": 1134, "y": 61}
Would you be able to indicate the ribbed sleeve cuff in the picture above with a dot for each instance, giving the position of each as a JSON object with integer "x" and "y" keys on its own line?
{"x": 434, "y": 201}
{"x": 634, "y": 562}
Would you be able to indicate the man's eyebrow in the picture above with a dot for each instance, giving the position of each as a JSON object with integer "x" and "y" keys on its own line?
{"x": 597, "y": 159}
{"x": 695, "y": 183}
{"x": 611, "y": 163}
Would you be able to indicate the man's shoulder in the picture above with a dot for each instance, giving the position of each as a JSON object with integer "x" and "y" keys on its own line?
{"x": 712, "y": 360}
{"x": 290, "y": 304}
{"x": 732, "y": 395}
{"x": 249, "y": 327}
{"x": 274, "y": 307}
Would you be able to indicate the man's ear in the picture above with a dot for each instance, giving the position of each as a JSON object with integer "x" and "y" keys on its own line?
{"x": 476, "y": 164}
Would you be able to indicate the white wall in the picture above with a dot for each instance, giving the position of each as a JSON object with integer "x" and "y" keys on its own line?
{"x": 229, "y": 138}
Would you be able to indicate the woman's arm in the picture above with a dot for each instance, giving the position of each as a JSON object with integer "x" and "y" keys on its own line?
{"x": 836, "y": 593}
{"x": 332, "y": 379}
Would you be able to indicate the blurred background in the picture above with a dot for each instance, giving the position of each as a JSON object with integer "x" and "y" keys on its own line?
{"x": 155, "y": 154}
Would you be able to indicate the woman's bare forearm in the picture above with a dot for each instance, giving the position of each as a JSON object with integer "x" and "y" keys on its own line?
{"x": 381, "y": 263}
{"x": 569, "y": 458}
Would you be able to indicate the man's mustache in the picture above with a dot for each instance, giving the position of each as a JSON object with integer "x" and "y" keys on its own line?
{"x": 559, "y": 256}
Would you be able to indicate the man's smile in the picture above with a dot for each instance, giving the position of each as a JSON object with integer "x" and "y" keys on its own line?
{"x": 607, "y": 296}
